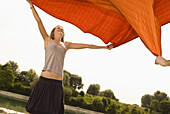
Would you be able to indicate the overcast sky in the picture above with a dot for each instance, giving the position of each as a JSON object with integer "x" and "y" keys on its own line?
{"x": 128, "y": 70}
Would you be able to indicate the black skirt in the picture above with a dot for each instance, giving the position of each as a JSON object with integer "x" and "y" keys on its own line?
{"x": 46, "y": 97}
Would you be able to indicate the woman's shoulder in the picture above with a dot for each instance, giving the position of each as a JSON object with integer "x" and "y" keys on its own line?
{"x": 67, "y": 44}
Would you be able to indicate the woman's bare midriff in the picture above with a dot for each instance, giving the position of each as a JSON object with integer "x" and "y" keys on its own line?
{"x": 51, "y": 75}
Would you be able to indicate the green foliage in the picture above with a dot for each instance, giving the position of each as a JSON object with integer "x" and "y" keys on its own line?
{"x": 72, "y": 80}
{"x": 108, "y": 93}
{"x": 27, "y": 77}
{"x": 32, "y": 84}
{"x": 10, "y": 72}
{"x": 160, "y": 96}
{"x": 105, "y": 102}
{"x": 93, "y": 89}
{"x": 146, "y": 100}
{"x": 82, "y": 93}
{"x": 112, "y": 108}
{"x": 76, "y": 82}
{"x": 66, "y": 78}
{"x": 165, "y": 106}
{"x": 78, "y": 101}
{"x": 75, "y": 93}
{"x": 14, "y": 67}
{"x": 67, "y": 91}
{"x": 155, "y": 105}
{"x": 67, "y": 94}
{"x": 0, "y": 66}
{"x": 21, "y": 89}
{"x": 98, "y": 104}
{"x": 134, "y": 110}
{"x": 6, "y": 77}
{"x": 159, "y": 102}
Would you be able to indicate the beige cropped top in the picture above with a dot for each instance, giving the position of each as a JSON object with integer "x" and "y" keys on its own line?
{"x": 54, "y": 57}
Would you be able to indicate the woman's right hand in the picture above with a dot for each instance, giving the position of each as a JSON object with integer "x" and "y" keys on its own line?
{"x": 30, "y": 2}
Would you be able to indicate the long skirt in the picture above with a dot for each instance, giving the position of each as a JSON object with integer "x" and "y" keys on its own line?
{"x": 46, "y": 97}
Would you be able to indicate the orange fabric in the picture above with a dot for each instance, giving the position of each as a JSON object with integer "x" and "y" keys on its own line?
{"x": 115, "y": 21}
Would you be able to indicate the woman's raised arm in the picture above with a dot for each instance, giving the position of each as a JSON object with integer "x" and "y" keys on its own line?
{"x": 40, "y": 24}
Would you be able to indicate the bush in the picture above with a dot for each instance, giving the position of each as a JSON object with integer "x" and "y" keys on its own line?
{"x": 105, "y": 101}
{"x": 98, "y": 104}
{"x": 67, "y": 94}
{"x": 21, "y": 89}
{"x": 112, "y": 108}
{"x": 78, "y": 101}
{"x": 82, "y": 93}
{"x": 75, "y": 93}
{"x": 67, "y": 91}
{"x": 73, "y": 101}
{"x": 134, "y": 110}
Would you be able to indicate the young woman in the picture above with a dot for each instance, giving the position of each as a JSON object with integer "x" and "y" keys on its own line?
{"x": 47, "y": 95}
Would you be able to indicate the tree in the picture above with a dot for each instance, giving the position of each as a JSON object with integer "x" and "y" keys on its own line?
{"x": 155, "y": 105}
{"x": 31, "y": 76}
{"x": 146, "y": 100}
{"x": 93, "y": 89}
{"x": 108, "y": 93}
{"x": 14, "y": 67}
{"x": 27, "y": 77}
{"x": 32, "y": 84}
{"x": 72, "y": 80}
{"x": 22, "y": 78}
{"x": 6, "y": 77}
{"x": 66, "y": 78}
{"x": 160, "y": 96}
{"x": 76, "y": 82}
{"x": 0, "y": 66}
{"x": 165, "y": 106}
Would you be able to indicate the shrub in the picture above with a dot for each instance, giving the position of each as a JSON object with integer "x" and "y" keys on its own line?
{"x": 75, "y": 93}
{"x": 67, "y": 94}
{"x": 67, "y": 91}
{"x": 82, "y": 93}
{"x": 112, "y": 108}
{"x": 134, "y": 110}
{"x": 98, "y": 104}
{"x": 21, "y": 89}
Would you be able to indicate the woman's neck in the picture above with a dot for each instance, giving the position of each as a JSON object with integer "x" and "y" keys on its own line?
{"x": 57, "y": 41}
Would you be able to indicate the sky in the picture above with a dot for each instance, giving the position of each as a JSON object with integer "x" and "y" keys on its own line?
{"x": 128, "y": 70}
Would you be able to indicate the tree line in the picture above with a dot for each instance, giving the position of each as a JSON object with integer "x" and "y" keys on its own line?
{"x": 22, "y": 82}
{"x": 158, "y": 102}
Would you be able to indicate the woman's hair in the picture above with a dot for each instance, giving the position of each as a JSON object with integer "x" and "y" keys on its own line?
{"x": 52, "y": 35}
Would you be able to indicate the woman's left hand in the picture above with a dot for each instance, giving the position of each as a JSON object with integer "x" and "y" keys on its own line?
{"x": 109, "y": 47}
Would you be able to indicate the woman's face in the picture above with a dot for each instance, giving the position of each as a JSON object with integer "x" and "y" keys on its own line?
{"x": 59, "y": 31}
